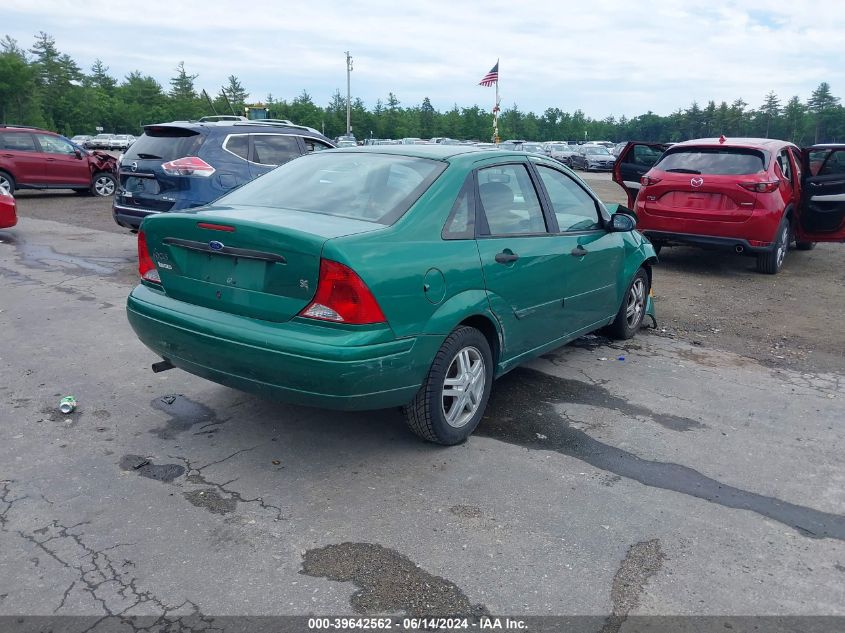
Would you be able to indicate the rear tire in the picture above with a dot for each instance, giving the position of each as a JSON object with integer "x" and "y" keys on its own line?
{"x": 805, "y": 246}
{"x": 463, "y": 366}
{"x": 631, "y": 313}
{"x": 103, "y": 185}
{"x": 771, "y": 262}
{"x": 7, "y": 182}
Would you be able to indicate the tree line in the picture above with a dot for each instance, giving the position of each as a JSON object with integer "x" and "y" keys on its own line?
{"x": 44, "y": 87}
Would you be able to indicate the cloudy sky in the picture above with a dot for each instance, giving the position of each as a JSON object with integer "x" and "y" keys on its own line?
{"x": 604, "y": 56}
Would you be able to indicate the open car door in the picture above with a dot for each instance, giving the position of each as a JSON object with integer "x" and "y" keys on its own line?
{"x": 635, "y": 159}
{"x": 822, "y": 212}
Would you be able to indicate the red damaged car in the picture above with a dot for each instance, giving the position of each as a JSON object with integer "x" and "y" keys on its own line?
{"x": 8, "y": 216}
{"x": 31, "y": 158}
{"x": 751, "y": 196}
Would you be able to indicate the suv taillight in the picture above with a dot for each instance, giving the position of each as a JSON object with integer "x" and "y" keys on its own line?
{"x": 761, "y": 187}
{"x": 188, "y": 166}
{"x": 342, "y": 297}
{"x": 146, "y": 268}
{"x": 645, "y": 181}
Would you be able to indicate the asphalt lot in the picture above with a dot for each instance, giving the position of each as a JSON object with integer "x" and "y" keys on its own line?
{"x": 701, "y": 475}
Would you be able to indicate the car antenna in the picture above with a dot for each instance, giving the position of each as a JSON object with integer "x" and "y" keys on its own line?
{"x": 210, "y": 102}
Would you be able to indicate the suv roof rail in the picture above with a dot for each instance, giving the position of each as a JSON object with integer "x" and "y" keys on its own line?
{"x": 278, "y": 123}
{"x": 28, "y": 127}
{"x": 222, "y": 117}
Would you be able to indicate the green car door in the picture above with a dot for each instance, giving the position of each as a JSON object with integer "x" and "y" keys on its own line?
{"x": 521, "y": 259}
{"x": 594, "y": 264}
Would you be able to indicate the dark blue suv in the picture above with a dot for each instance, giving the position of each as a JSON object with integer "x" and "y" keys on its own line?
{"x": 186, "y": 164}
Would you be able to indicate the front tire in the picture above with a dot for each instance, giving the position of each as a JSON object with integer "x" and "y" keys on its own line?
{"x": 103, "y": 185}
{"x": 452, "y": 400}
{"x": 770, "y": 263}
{"x": 631, "y": 313}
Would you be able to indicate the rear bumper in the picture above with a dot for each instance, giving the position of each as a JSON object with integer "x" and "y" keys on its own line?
{"x": 296, "y": 362}
{"x": 129, "y": 217}
{"x": 733, "y": 244}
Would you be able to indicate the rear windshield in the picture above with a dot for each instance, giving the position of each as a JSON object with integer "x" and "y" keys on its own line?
{"x": 165, "y": 144}
{"x": 364, "y": 186}
{"x": 713, "y": 160}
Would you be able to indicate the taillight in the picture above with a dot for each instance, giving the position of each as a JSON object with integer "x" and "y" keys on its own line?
{"x": 761, "y": 187}
{"x": 146, "y": 268}
{"x": 188, "y": 166}
{"x": 645, "y": 181}
{"x": 342, "y": 297}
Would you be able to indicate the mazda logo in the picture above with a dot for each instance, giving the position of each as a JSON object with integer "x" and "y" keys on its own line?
{"x": 215, "y": 245}
{"x": 696, "y": 182}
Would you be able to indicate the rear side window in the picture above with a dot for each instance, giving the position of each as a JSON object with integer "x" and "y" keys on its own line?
{"x": 461, "y": 222}
{"x": 509, "y": 200}
{"x": 237, "y": 144}
{"x": 165, "y": 143}
{"x": 17, "y": 141}
{"x": 716, "y": 161}
{"x": 834, "y": 165}
{"x": 373, "y": 187}
{"x": 274, "y": 149}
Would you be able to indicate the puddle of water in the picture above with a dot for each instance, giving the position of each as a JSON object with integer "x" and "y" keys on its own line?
{"x": 522, "y": 411}
{"x": 388, "y": 582}
{"x": 183, "y": 412}
{"x": 45, "y": 257}
{"x": 145, "y": 468}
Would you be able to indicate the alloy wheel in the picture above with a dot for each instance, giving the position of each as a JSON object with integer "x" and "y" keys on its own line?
{"x": 783, "y": 245}
{"x": 463, "y": 387}
{"x": 636, "y": 303}
{"x": 104, "y": 186}
{"x": 5, "y": 184}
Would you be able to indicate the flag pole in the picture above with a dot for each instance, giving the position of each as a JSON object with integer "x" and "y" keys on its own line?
{"x": 496, "y": 113}
{"x": 496, "y": 108}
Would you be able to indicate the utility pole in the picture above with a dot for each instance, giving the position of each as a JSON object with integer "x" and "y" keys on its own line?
{"x": 348, "y": 93}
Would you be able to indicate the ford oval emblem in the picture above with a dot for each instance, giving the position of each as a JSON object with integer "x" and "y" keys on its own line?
{"x": 215, "y": 245}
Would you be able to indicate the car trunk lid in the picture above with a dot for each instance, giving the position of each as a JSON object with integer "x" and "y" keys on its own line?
{"x": 703, "y": 183}
{"x": 257, "y": 262}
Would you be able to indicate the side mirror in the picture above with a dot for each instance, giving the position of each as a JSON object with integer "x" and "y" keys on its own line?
{"x": 78, "y": 153}
{"x": 622, "y": 222}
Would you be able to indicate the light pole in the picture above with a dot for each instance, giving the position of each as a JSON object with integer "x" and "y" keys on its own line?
{"x": 348, "y": 93}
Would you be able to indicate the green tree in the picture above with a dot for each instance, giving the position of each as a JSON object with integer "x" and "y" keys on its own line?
{"x": 427, "y": 119}
{"x": 771, "y": 111}
{"x": 822, "y": 104}
{"x": 18, "y": 101}
{"x": 233, "y": 94}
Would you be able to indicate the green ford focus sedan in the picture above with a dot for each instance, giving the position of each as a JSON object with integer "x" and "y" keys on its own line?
{"x": 385, "y": 276}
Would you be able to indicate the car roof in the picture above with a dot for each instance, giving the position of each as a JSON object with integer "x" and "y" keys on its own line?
{"x": 435, "y": 151}
{"x": 24, "y": 128}
{"x": 768, "y": 144}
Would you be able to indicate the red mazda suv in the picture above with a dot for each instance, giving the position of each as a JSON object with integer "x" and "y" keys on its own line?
{"x": 751, "y": 196}
{"x": 31, "y": 158}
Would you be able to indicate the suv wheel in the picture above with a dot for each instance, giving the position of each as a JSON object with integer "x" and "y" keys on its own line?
{"x": 7, "y": 182}
{"x": 771, "y": 262}
{"x": 103, "y": 184}
{"x": 451, "y": 401}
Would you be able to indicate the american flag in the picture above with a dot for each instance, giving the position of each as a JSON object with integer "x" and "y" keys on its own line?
{"x": 490, "y": 78}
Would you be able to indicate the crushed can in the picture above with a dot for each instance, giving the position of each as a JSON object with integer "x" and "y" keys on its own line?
{"x": 67, "y": 404}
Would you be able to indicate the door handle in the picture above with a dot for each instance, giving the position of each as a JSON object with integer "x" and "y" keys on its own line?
{"x": 579, "y": 251}
{"x": 8, "y": 155}
{"x": 506, "y": 257}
